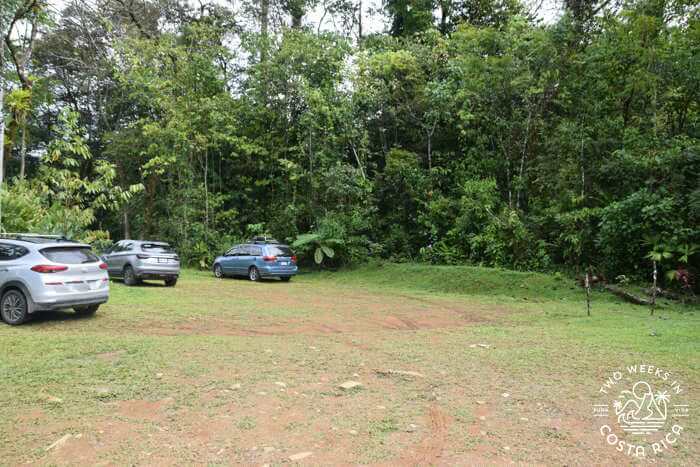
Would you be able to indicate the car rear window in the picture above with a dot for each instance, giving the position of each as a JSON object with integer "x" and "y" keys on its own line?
{"x": 279, "y": 251}
{"x": 69, "y": 255}
{"x": 157, "y": 248}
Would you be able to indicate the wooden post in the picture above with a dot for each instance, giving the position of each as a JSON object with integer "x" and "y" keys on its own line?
{"x": 588, "y": 291}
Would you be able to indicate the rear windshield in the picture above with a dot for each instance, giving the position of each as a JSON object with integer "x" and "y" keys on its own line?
{"x": 279, "y": 251}
{"x": 69, "y": 255}
{"x": 157, "y": 248}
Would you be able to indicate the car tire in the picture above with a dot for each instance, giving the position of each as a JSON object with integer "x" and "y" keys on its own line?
{"x": 286, "y": 278}
{"x": 129, "y": 276}
{"x": 86, "y": 310}
{"x": 14, "y": 308}
{"x": 218, "y": 272}
{"x": 171, "y": 282}
{"x": 253, "y": 274}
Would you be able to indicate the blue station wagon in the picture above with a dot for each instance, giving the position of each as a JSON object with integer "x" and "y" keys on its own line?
{"x": 257, "y": 260}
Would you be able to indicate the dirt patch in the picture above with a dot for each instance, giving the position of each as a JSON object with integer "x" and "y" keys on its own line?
{"x": 358, "y": 314}
{"x": 311, "y": 326}
{"x": 144, "y": 410}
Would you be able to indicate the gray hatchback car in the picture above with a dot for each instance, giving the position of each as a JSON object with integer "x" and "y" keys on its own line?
{"x": 48, "y": 272}
{"x": 136, "y": 260}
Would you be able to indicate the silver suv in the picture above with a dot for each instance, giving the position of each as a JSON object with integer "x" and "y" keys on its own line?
{"x": 44, "y": 272}
{"x": 135, "y": 260}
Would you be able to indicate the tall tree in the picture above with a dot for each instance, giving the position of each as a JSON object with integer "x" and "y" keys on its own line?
{"x": 20, "y": 45}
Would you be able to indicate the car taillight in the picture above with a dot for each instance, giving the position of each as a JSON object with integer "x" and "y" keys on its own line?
{"x": 176, "y": 258}
{"x": 103, "y": 266}
{"x": 269, "y": 258}
{"x": 143, "y": 256}
{"x": 48, "y": 268}
{"x": 294, "y": 259}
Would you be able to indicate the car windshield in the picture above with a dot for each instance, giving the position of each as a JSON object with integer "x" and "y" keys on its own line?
{"x": 157, "y": 248}
{"x": 69, "y": 255}
{"x": 279, "y": 251}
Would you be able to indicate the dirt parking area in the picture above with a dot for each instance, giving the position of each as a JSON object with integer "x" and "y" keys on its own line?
{"x": 221, "y": 372}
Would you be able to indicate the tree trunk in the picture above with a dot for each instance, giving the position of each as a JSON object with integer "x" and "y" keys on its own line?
{"x": 23, "y": 152}
{"x": 359, "y": 163}
{"x": 444, "y": 15}
{"x": 150, "y": 201}
{"x": 2, "y": 135}
{"x": 583, "y": 174}
{"x": 626, "y": 295}
{"x": 522, "y": 159}
{"x": 127, "y": 226}
{"x": 296, "y": 11}
{"x": 206, "y": 195}
{"x": 430, "y": 151}
{"x": 2, "y": 126}
{"x": 653, "y": 292}
{"x": 359, "y": 22}
{"x": 264, "y": 23}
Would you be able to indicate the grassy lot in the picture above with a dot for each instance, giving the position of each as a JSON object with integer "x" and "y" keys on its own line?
{"x": 228, "y": 371}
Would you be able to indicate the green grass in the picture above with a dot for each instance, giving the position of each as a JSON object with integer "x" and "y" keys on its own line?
{"x": 461, "y": 280}
{"x": 215, "y": 350}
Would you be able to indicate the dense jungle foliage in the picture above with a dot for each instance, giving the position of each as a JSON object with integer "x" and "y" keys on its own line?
{"x": 461, "y": 132}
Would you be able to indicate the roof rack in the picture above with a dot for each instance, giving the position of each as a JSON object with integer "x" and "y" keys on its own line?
{"x": 34, "y": 238}
{"x": 262, "y": 239}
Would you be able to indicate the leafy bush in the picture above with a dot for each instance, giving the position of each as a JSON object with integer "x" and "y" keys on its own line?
{"x": 625, "y": 224}
{"x": 334, "y": 242}
{"x": 487, "y": 232}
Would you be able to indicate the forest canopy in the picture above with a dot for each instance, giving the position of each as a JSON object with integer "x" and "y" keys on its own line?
{"x": 464, "y": 132}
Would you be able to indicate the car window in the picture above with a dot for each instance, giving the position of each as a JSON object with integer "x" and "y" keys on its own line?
{"x": 128, "y": 247}
{"x": 69, "y": 255}
{"x": 237, "y": 250}
{"x": 10, "y": 252}
{"x": 157, "y": 248}
{"x": 255, "y": 251}
{"x": 279, "y": 250}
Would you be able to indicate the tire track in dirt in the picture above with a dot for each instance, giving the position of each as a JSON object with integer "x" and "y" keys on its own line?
{"x": 429, "y": 449}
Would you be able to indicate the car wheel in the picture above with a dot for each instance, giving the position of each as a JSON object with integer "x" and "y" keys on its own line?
{"x": 286, "y": 278}
{"x": 218, "y": 272}
{"x": 253, "y": 274}
{"x": 13, "y": 307}
{"x": 129, "y": 276}
{"x": 86, "y": 310}
{"x": 171, "y": 282}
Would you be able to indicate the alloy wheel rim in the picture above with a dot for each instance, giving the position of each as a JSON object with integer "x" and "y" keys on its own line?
{"x": 253, "y": 274}
{"x": 217, "y": 271}
{"x": 12, "y": 307}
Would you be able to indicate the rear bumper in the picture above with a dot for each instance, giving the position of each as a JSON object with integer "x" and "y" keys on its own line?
{"x": 68, "y": 303}
{"x": 278, "y": 272}
{"x": 154, "y": 272}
